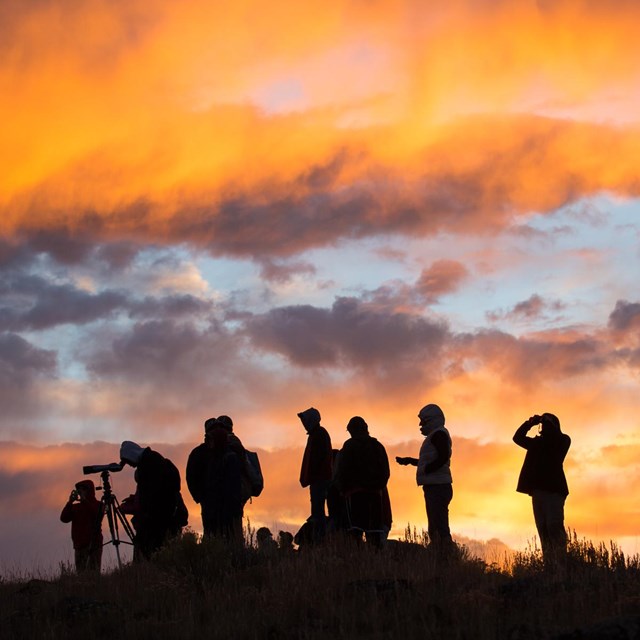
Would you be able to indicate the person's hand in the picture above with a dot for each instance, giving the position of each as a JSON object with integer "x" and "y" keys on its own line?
{"x": 403, "y": 461}
{"x": 534, "y": 420}
{"x": 73, "y": 496}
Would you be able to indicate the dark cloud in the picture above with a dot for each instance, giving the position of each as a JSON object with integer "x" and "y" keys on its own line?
{"x": 625, "y": 317}
{"x": 20, "y": 361}
{"x": 173, "y": 306}
{"x": 23, "y": 369}
{"x": 348, "y": 333}
{"x": 36, "y": 304}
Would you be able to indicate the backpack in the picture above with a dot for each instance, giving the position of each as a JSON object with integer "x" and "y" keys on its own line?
{"x": 255, "y": 474}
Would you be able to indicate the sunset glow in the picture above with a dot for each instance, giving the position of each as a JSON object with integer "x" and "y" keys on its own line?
{"x": 357, "y": 206}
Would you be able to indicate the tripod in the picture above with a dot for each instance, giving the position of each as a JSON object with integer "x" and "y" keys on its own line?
{"x": 110, "y": 507}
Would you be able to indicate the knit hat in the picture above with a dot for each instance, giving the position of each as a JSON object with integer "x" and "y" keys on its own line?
{"x": 131, "y": 452}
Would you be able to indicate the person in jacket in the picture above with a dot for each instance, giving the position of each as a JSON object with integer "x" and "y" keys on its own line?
{"x": 361, "y": 475}
{"x": 317, "y": 468}
{"x": 542, "y": 477}
{"x": 201, "y": 457}
{"x": 159, "y": 511}
{"x": 221, "y": 497}
{"x": 434, "y": 473}
{"x": 83, "y": 512}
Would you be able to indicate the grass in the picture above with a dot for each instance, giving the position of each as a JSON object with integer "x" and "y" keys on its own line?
{"x": 196, "y": 589}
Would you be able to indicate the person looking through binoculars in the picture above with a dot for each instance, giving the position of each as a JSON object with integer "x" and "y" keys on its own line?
{"x": 83, "y": 512}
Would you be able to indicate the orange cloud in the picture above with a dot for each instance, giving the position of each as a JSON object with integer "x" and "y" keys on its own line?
{"x": 147, "y": 124}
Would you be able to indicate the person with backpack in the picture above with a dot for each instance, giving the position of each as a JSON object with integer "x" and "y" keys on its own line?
{"x": 158, "y": 510}
{"x": 361, "y": 475}
{"x": 252, "y": 480}
{"x": 202, "y": 457}
{"x": 317, "y": 470}
{"x": 542, "y": 477}
{"x": 434, "y": 474}
{"x": 221, "y": 499}
{"x": 83, "y": 512}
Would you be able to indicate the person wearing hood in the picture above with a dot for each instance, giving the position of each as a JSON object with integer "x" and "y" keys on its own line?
{"x": 542, "y": 477}
{"x": 317, "y": 467}
{"x": 434, "y": 473}
{"x": 83, "y": 512}
{"x": 361, "y": 475}
{"x": 160, "y": 512}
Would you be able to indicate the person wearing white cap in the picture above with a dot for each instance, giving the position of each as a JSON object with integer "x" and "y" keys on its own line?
{"x": 434, "y": 473}
{"x": 160, "y": 511}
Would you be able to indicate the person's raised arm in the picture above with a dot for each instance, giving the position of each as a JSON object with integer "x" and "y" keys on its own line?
{"x": 520, "y": 436}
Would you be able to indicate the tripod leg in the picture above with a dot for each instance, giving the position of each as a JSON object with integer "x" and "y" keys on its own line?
{"x": 113, "y": 530}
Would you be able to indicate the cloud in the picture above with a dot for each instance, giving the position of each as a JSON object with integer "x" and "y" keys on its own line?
{"x": 625, "y": 318}
{"x": 535, "y": 307}
{"x": 23, "y": 367}
{"x": 347, "y": 333}
{"x": 441, "y": 278}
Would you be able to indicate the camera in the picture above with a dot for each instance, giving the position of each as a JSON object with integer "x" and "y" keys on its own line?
{"x": 75, "y": 495}
{"x": 100, "y": 468}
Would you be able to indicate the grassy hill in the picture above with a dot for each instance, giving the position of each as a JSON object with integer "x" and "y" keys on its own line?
{"x": 204, "y": 590}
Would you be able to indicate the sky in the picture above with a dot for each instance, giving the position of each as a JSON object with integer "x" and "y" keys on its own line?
{"x": 363, "y": 206}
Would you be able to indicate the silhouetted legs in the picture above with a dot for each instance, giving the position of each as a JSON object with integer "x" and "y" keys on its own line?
{"x": 437, "y": 498}
{"x": 548, "y": 512}
{"x": 318, "y": 496}
{"x": 88, "y": 559}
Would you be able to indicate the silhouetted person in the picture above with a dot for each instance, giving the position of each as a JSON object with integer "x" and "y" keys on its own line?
{"x": 361, "y": 475}
{"x": 157, "y": 507}
{"x": 542, "y": 477}
{"x": 266, "y": 544}
{"x": 238, "y": 448}
{"x": 207, "y": 472}
{"x": 316, "y": 470}
{"x": 83, "y": 512}
{"x": 285, "y": 542}
{"x": 434, "y": 473}
{"x": 220, "y": 488}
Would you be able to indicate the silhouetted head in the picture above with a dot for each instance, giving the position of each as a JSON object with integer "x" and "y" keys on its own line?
{"x": 310, "y": 418}
{"x": 357, "y": 426}
{"x": 86, "y": 489}
{"x": 217, "y": 438}
{"x": 550, "y": 425}
{"x": 226, "y": 422}
{"x": 431, "y": 417}
{"x": 263, "y": 534}
{"x": 285, "y": 540}
{"x": 210, "y": 423}
{"x": 130, "y": 453}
